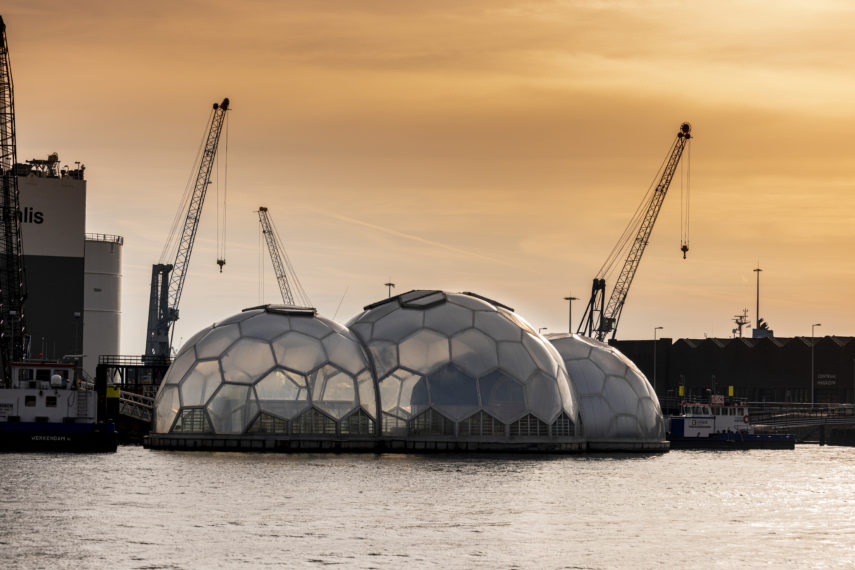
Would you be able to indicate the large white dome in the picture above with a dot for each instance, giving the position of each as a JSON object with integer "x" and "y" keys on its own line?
{"x": 270, "y": 369}
{"x": 457, "y": 365}
{"x": 618, "y": 406}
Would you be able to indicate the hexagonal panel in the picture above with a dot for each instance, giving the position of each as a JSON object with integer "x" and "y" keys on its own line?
{"x": 620, "y": 395}
{"x": 398, "y": 325}
{"x": 282, "y": 385}
{"x": 345, "y": 353}
{"x": 179, "y": 368}
{"x": 453, "y": 392}
{"x": 596, "y": 416}
{"x": 626, "y": 425}
{"x": 448, "y": 318}
{"x": 246, "y": 360}
{"x": 515, "y": 359}
{"x": 311, "y": 326}
{"x": 474, "y": 352}
{"x": 229, "y": 409}
{"x": 541, "y": 355}
{"x": 570, "y": 347}
{"x": 266, "y": 326}
{"x": 283, "y": 394}
{"x": 167, "y": 407}
{"x": 497, "y": 326}
{"x": 424, "y": 350}
{"x": 216, "y": 341}
{"x": 586, "y": 377}
{"x": 385, "y": 355}
{"x": 650, "y": 419}
{"x": 367, "y": 397}
{"x": 542, "y": 397}
{"x": 193, "y": 340}
{"x": 204, "y": 378}
{"x": 298, "y": 351}
{"x": 501, "y": 396}
{"x": 608, "y": 362}
{"x": 414, "y": 395}
{"x": 333, "y": 390}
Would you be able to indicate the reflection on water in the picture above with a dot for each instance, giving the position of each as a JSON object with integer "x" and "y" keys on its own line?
{"x": 148, "y": 509}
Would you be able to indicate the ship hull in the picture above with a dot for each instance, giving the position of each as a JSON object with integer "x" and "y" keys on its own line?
{"x": 58, "y": 437}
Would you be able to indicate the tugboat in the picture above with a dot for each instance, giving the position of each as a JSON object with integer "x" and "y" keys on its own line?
{"x": 44, "y": 406}
{"x": 720, "y": 426}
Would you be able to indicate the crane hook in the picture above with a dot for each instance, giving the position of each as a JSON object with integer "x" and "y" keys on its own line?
{"x": 222, "y": 262}
{"x": 684, "y": 248}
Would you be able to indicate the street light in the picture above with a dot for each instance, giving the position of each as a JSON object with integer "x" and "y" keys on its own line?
{"x": 654, "y": 356}
{"x": 813, "y": 326}
{"x": 570, "y": 300}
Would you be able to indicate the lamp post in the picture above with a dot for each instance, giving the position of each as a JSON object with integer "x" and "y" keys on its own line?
{"x": 654, "y": 356}
{"x": 390, "y": 285}
{"x": 570, "y": 300}
{"x": 813, "y": 326}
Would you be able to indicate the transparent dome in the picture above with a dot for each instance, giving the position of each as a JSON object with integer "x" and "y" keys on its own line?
{"x": 616, "y": 402}
{"x": 459, "y": 365}
{"x": 269, "y": 370}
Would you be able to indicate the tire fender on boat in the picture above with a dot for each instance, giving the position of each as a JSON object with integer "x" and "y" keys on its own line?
{"x": 746, "y": 419}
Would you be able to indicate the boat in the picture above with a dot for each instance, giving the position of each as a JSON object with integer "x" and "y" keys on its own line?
{"x": 44, "y": 406}
{"x": 720, "y": 426}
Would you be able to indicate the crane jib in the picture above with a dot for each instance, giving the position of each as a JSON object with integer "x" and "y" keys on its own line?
{"x": 609, "y": 313}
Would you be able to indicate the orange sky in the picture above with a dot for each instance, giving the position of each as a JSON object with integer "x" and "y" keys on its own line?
{"x": 498, "y": 147}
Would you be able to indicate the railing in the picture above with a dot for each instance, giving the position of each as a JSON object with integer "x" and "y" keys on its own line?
{"x": 109, "y": 238}
{"x": 126, "y": 360}
{"x": 136, "y": 406}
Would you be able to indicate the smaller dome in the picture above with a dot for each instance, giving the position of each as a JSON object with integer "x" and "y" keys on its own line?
{"x": 269, "y": 370}
{"x": 618, "y": 407}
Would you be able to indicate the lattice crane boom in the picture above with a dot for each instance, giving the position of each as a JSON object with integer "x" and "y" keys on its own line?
{"x": 291, "y": 295}
{"x": 609, "y": 313}
{"x": 167, "y": 280}
{"x": 12, "y": 284}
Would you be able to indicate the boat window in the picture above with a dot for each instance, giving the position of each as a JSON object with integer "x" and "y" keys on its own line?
{"x": 30, "y": 401}
{"x": 50, "y": 401}
{"x": 43, "y": 374}
{"x": 25, "y": 374}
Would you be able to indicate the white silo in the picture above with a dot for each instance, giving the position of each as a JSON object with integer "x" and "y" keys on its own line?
{"x": 102, "y": 298}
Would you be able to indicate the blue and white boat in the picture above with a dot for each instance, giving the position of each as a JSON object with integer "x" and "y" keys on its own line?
{"x": 44, "y": 406}
{"x": 720, "y": 426}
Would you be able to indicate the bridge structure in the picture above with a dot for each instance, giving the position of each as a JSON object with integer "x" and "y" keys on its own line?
{"x": 817, "y": 423}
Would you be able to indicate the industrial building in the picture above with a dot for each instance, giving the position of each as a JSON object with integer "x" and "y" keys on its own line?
{"x": 771, "y": 369}
{"x": 73, "y": 279}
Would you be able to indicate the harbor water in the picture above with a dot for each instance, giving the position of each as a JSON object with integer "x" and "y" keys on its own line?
{"x": 686, "y": 509}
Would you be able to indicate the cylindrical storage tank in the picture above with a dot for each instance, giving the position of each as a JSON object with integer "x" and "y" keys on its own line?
{"x": 102, "y": 285}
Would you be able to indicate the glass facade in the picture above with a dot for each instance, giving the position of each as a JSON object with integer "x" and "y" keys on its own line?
{"x": 616, "y": 402}
{"x": 269, "y": 370}
{"x": 459, "y": 365}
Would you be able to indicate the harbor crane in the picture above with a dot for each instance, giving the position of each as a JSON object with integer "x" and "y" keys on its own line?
{"x": 294, "y": 296}
{"x": 167, "y": 279}
{"x": 12, "y": 283}
{"x": 601, "y": 319}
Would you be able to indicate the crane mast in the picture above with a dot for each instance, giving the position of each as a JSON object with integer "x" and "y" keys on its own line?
{"x": 280, "y": 260}
{"x": 167, "y": 280}
{"x": 610, "y": 312}
{"x": 12, "y": 286}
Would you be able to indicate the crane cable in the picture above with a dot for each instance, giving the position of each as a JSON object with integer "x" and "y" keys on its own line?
{"x": 222, "y": 202}
{"x": 300, "y": 293}
{"x": 685, "y": 201}
{"x": 170, "y": 248}
{"x": 632, "y": 227}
